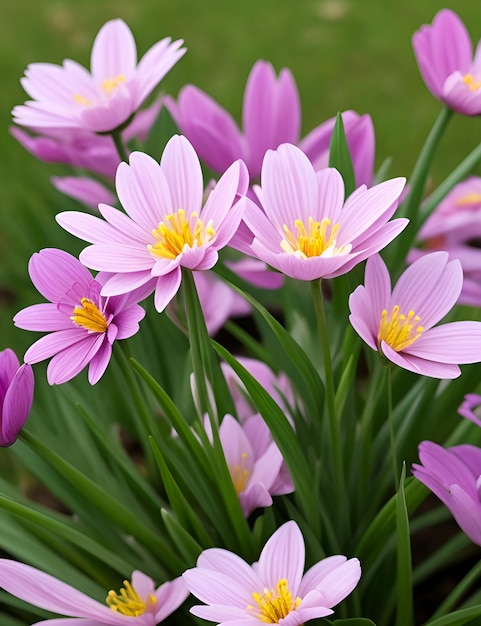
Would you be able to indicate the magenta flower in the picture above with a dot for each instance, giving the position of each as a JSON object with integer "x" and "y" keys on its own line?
{"x": 444, "y": 54}
{"x": 166, "y": 226}
{"x": 138, "y": 601}
{"x": 400, "y": 324}
{"x": 453, "y": 226}
{"x": 69, "y": 97}
{"x": 470, "y": 408}
{"x": 306, "y": 230}
{"x": 453, "y": 475}
{"x": 16, "y": 396}
{"x": 255, "y": 462}
{"x": 82, "y": 324}
{"x": 273, "y": 590}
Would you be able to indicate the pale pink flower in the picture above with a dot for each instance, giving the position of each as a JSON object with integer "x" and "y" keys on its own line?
{"x": 471, "y": 407}
{"x": 305, "y": 229}
{"x": 85, "y": 190}
{"x": 455, "y": 226}
{"x": 399, "y": 324}
{"x": 273, "y": 590}
{"x": 82, "y": 324}
{"x": 454, "y": 476}
{"x": 166, "y": 226}
{"x": 69, "y": 97}
{"x": 444, "y": 53}
{"x": 138, "y": 601}
{"x": 16, "y": 396}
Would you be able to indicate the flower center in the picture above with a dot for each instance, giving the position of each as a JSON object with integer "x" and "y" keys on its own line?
{"x": 109, "y": 85}
{"x": 177, "y": 232}
{"x": 128, "y": 602}
{"x": 319, "y": 238}
{"x": 470, "y": 198}
{"x": 471, "y": 82}
{"x": 88, "y": 316}
{"x": 397, "y": 330}
{"x": 240, "y": 474}
{"x": 274, "y": 604}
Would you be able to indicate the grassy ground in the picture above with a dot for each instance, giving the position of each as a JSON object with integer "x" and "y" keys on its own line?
{"x": 344, "y": 54}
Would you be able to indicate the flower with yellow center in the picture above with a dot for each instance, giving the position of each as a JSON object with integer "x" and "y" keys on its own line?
{"x": 471, "y": 82}
{"x": 240, "y": 474}
{"x": 128, "y": 602}
{"x": 317, "y": 239}
{"x": 178, "y": 231}
{"x": 398, "y": 330}
{"x": 274, "y": 604}
{"x": 88, "y": 316}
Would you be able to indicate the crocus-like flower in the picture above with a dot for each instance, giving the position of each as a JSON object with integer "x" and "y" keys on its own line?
{"x": 166, "y": 227}
{"x": 306, "y": 231}
{"x": 273, "y": 590}
{"x": 455, "y": 226}
{"x": 254, "y": 461}
{"x": 453, "y": 475}
{"x": 82, "y": 324}
{"x": 400, "y": 324}
{"x": 70, "y": 97}
{"x": 470, "y": 408}
{"x": 16, "y": 396}
{"x": 271, "y": 115}
{"x": 138, "y": 601}
{"x": 444, "y": 53}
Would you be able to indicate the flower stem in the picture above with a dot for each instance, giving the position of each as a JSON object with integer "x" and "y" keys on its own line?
{"x": 119, "y": 145}
{"x": 391, "y": 430}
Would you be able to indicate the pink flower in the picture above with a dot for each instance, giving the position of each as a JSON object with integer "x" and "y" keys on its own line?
{"x": 166, "y": 226}
{"x": 138, "y": 601}
{"x": 400, "y": 324}
{"x": 82, "y": 324}
{"x": 16, "y": 396}
{"x": 453, "y": 475}
{"x": 86, "y": 190}
{"x": 445, "y": 58}
{"x": 69, "y": 97}
{"x": 271, "y": 116}
{"x": 455, "y": 226}
{"x": 273, "y": 590}
{"x": 305, "y": 229}
{"x": 470, "y": 408}
{"x": 255, "y": 462}
{"x": 278, "y": 387}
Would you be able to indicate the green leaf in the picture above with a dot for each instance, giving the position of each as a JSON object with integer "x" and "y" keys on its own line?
{"x": 340, "y": 157}
{"x": 353, "y": 621}
{"x": 404, "y": 583}
{"x": 458, "y": 618}
{"x": 188, "y": 547}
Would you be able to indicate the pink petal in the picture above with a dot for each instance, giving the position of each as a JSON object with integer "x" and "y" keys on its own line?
{"x": 169, "y": 596}
{"x": 17, "y": 404}
{"x": 283, "y": 557}
{"x": 43, "y": 318}
{"x": 166, "y": 288}
{"x": 420, "y": 366}
{"x": 155, "y": 64}
{"x": 66, "y": 364}
{"x": 99, "y": 362}
{"x": 113, "y": 52}
{"x": 182, "y": 170}
{"x": 117, "y": 258}
{"x": 456, "y": 343}
{"x": 53, "y": 272}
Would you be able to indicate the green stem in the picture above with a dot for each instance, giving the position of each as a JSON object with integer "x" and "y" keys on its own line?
{"x": 119, "y": 145}
{"x": 391, "y": 429}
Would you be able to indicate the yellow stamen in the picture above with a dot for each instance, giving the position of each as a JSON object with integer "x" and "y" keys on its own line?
{"x": 89, "y": 317}
{"x": 397, "y": 330}
{"x": 128, "y": 602}
{"x": 173, "y": 234}
{"x": 274, "y": 604}
{"x": 470, "y": 81}
{"x": 111, "y": 83}
{"x": 314, "y": 240}
{"x": 82, "y": 100}
{"x": 240, "y": 474}
{"x": 470, "y": 198}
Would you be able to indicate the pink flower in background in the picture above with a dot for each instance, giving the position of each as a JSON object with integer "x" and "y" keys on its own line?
{"x": 306, "y": 230}
{"x": 273, "y": 590}
{"x": 271, "y": 116}
{"x": 455, "y": 226}
{"x": 470, "y": 408}
{"x": 453, "y": 475}
{"x": 82, "y": 324}
{"x": 277, "y": 386}
{"x": 16, "y": 396}
{"x": 255, "y": 463}
{"x": 69, "y": 97}
{"x": 166, "y": 226}
{"x": 138, "y": 601}
{"x": 399, "y": 324}
{"x": 85, "y": 190}
{"x": 444, "y": 53}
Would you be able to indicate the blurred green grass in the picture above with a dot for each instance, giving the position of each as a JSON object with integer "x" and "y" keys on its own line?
{"x": 345, "y": 54}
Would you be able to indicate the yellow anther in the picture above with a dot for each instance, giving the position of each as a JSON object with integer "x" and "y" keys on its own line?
{"x": 128, "y": 602}
{"x": 313, "y": 240}
{"x": 82, "y": 100}
{"x": 470, "y": 198}
{"x": 89, "y": 317}
{"x": 470, "y": 81}
{"x": 177, "y": 231}
{"x": 398, "y": 330}
{"x": 111, "y": 83}
{"x": 240, "y": 474}
{"x": 274, "y": 604}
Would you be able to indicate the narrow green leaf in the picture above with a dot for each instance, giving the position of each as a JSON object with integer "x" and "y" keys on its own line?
{"x": 340, "y": 157}
{"x": 186, "y": 545}
{"x": 458, "y": 618}
{"x": 404, "y": 583}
